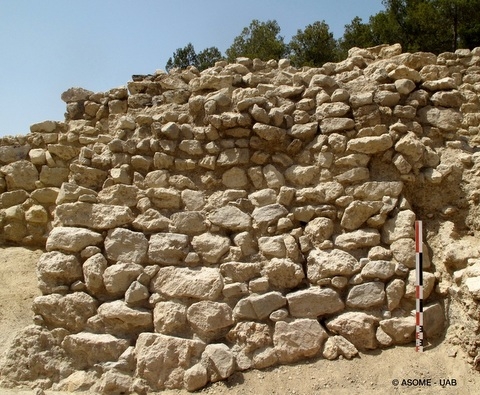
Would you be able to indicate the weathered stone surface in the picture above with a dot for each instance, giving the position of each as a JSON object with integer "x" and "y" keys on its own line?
{"x": 378, "y": 269}
{"x": 120, "y": 319}
{"x": 304, "y": 131}
{"x": 428, "y": 284}
{"x": 376, "y": 190}
{"x": 401, "y": 330}
{"x": 207, "y": 316}
{"x": 283, "y": 273}
{"x": 319, "y": 229}
{"x": 188, "y": 222}
{"x": 219, "y": 361}
{"x": 95, "y": 216}
{"x": 9, "y": 154}
{"x": 119, "y": 195}
{"x": 434, "y": 321}
{"x": 269, "y": 132}
{"x": 338, "y": 345}
{"x": 269, "y": 214}
{"x": 272, "y": 246}
{"x": 88, "y": 349}
{"x": 151, "y": 221}
{"x": 301, "y": 175}
{"x": 358, "y": 212}
{"x": 446, "y": 119}
{"x": 323, "y": 264}
{"x": 394, "y": 292}
{"x": 117, "y": 278}
{"x": 72, "y": 239}
{"x": 168, "y": 248}
{"x": 57, "y": 271}
{"x": 241, "y": 271}
{"x": 211, "y": 247}
{"x": 360, "y": 238}
{"x": 93, "y": 269}
{"x": 231, "y": 218}
{"x": 70, "y": 311}
{"x": 250, "y": 335}
{"x": 21, "y": 174}
{"x": 371, "y": 144}
{"x": 399, "y": 227}
{"x": 170, "y": 317}
{"x": 258, "y": 307}
{"x": 358, "y": 328}
{"x": 366, "y": 295}
{"x": 404, "y": 252}
{"x": 165, "y": 198}
{"x": 334, "y": 124}
{"x": 298, "y": 339}
{"x": 162, "y": 360}
{"x": 314, "y": 302}
{"x": 126, "y": 246}
{"x": 202, "y": 283}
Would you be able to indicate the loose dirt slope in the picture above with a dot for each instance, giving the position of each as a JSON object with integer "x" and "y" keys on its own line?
{"x": 369, "y": 374}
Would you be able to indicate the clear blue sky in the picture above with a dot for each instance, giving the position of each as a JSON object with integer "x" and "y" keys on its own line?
{"x": 49, "y": 46}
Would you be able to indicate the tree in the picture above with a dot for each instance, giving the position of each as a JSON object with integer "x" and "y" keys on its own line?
{"x": 313, "y": 46}
{"x": 208, "y": 57}
{"x": 357, "y": 34}
{"x": 259, "y": 40}
{"x": 186, "y": 56}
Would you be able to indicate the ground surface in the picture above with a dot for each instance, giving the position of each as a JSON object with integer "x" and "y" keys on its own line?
{"x": 371, "y": 373}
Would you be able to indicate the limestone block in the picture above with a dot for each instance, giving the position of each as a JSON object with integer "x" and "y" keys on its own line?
{"x": 245, "y": 241}
{"x": 75, "y": 94}
{"x": 37, "y": 156}
{"x": 136, "y": 292}
{"x": 195, "y": 377}
{"x": 199, "y": 283}
{"x": 269, "y": 214}
{"x": 403, "y": 251}
{"x": 170, "y": 317}
{"x": 314, "y": 302}
{"x": 376, "y": 190}
{"x": 233, "y": 157}
{"x": 21, "y": 174}
{"x": 191, "y": 147}
{"x": 208, "y": 317}
{"x": 93, "y": 269}
{"x": 404, "y": 86}
{"x": 14, "y": 153}
{"x": 358, "y": 212}
{"x": 161, "y": 160}
{"x": 323, "y": 264}
{"x": 399, "y": 227}
{"x": 404, "y": 72}
{"x": 120, "y": 319}
{"x": 95, "y": 216}
{"x": 168, "y": 248}
{"x": 269, "y": 132}
{"x": 258, "y": 307}
{"x": 335, "y": 124}
{"x": 250, "y": 336}
{"x": 56, "y": 270}
{"x": 263, "y": 197}
{"x": 445, "y": 83}
{"x": 219, "y": 361}
{"x": 70, "y": 193}
{"x": 394, "y": 292}
{"x": 188, "y": 222}
{"x": 354, "y": 176}
{"x": 386, "y": 98}
{"x": 193, "y": 200}
{"x": 304, "y": 132}
{"x": 380, "y": 269}
{"x": 72, "y": 239}
{"x": 44, "y": 196}
{"x": 126, "y": 246}
{"x": 411, "y": 147}
{"x": 36, "y": 214}
{"x": 301, "y": 175}
{"x": 434, "y": 321}
{"x": 54, "y": 176}
{"x": 359, "y": 99}
{"x": 88, "y": 349}
{"x": 383, "y": 339}
{"x": 211, "y": 247}
{"x": 119, "y": 195}
{"x": 366, "y": 295}
{"x": 360, "y": 238}
{"x": 241, "y": 271}
{"x": 157, "y": 179}
{"x": 87, "y": 177}
{"x": 357, "y": 327}
{"x": 283, "y": 273}
{"x": 298, "y": 339}
{"x": 400, "y": 329}
{"x": 235, "y": 178}
{"x": 118, "y": 277}
{"x": 151, "y": 221}
{"x": 338, "y": 345}
{"x": 70, "y": 311}
{"x": 165, "y": 198}
{"x": 13, "y": 198}
{"x": 446, "y": 119}
{"x": 273, "y": 177}
{"x": 447, "y": 99}
{"x": 336, "y": 109}
{"x": 370, "y": 144}
{"x": 428, "y": 284}
{"x": 272, "y": 246}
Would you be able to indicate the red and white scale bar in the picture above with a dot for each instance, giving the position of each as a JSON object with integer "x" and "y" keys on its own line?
{"x": 419, "y": 286}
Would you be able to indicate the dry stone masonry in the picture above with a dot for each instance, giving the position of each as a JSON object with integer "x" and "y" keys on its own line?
{"x": 254, "y": 214}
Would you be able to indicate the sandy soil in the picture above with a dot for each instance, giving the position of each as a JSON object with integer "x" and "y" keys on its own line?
{"x": 371, "y": 373}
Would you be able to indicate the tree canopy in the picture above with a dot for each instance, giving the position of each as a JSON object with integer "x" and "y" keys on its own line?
{"x": 186, "y": 56}
{"x": 259, "y": 40}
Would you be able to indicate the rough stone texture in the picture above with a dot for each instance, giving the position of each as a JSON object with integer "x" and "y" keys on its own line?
{"x": 239, "y": 206}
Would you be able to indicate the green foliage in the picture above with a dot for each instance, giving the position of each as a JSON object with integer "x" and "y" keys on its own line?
{"x": 357, "y": 34}
{"x": 259, "y": 40}
{"x": 186, "y": 56}
{"x": 313, "y": 46}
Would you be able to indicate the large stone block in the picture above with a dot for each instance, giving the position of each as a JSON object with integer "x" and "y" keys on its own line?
{"x": 168, "y": 248}
{"x": 314, "y": 302}
{"x": 358, "y": 328}
{"x": 72, "y": 239}
{"x": 126, "y": 246}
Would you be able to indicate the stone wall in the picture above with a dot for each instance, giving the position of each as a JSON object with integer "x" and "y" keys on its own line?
{"x": 250, "y": 215}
